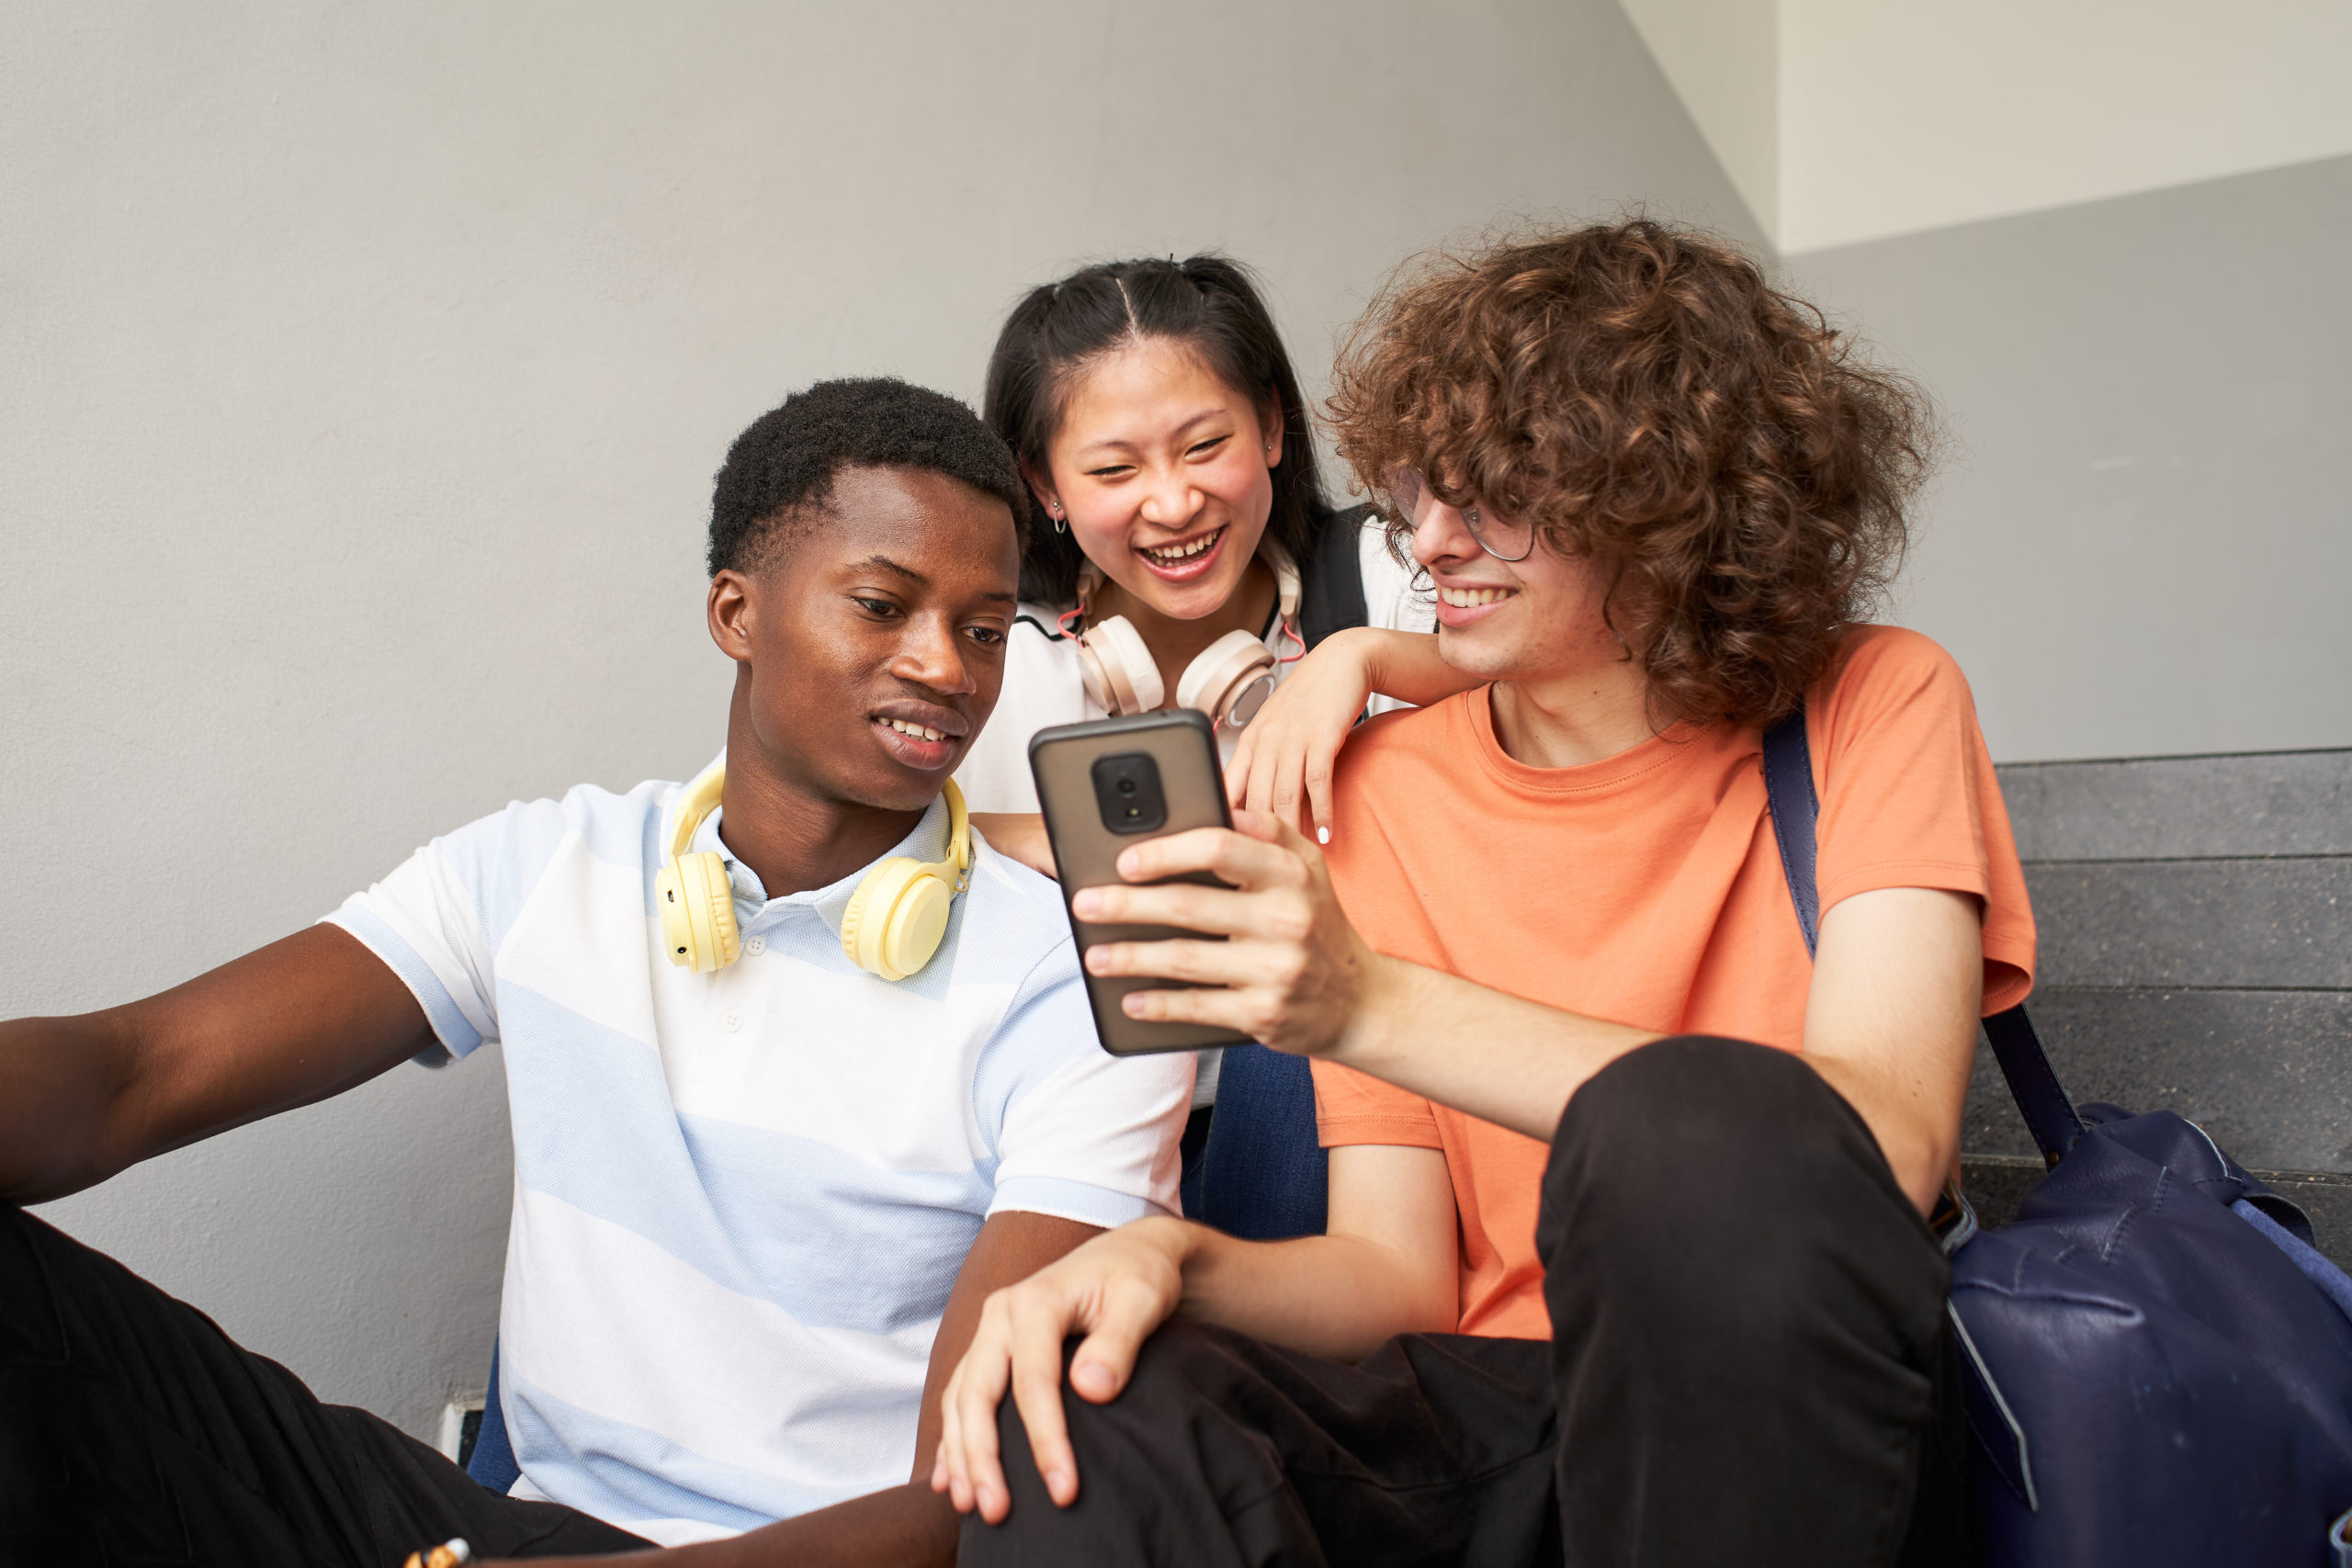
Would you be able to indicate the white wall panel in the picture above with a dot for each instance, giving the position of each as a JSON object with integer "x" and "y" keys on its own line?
{"x": 363, "y": 370}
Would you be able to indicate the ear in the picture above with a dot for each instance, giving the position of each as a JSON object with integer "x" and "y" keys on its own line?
{"x": 1270, "y": 424}
{"x": 1040, "y": 486}
{"x": 731, "y": 611}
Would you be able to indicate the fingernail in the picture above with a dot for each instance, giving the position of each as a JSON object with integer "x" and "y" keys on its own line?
{"x": 1086, "y": 903}
{"x": 1130, "y": 864}
{"x": 1057, "y": 1483}
{"x": 1091, "y": 1377}
{"x": 1322, "y": 835}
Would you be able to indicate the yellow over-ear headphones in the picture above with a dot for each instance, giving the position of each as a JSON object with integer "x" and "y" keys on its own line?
{"x": 892, "y": 928}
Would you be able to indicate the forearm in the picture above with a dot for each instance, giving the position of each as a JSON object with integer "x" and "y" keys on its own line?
{"x": 904, "y": 1526}
{"x": 1919, "y": 1148}
{"x": 1501, "y": 1058}
{"x": 302, "y": 1019}
{"x": 1335, "y": 1296}
{"x": 1898, "y": 1051}
{"x": 1406, "y": 665}
{"x": 59, "y": 1077}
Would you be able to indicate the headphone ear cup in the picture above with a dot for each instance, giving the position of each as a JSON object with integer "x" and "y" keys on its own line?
{"x": 896, "y": 917}
{"x": 1226, "y": 670}
{"x": 697, "y": 908}
{"x": 1118, "y": 669}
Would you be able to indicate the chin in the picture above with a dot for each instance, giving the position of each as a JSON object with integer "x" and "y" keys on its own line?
{"x": 1475, "y": 655}
{"x": 901, "y": 793}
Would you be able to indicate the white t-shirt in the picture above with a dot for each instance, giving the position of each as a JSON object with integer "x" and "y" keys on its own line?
{"x": 1043, "y": 688}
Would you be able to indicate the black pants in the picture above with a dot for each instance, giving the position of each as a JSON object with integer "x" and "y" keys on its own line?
{"x": 1747, "y": 1366}
{"x": 132, "y": 1431}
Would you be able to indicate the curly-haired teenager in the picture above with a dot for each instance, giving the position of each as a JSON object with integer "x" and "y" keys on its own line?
{"x": 755, "y": 1210}
{"x": 1628, "y": 1258}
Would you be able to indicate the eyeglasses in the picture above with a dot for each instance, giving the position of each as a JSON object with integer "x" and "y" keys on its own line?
{"x": 1503, "y": 539}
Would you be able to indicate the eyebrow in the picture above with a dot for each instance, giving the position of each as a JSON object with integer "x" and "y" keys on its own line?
{"x": 886, "y": 564}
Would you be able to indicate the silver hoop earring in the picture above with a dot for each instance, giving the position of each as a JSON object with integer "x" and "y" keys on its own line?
{"x": 1054, "y": 511}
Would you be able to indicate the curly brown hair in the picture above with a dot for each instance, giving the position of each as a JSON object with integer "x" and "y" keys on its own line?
{"x": 1641, "y": 394}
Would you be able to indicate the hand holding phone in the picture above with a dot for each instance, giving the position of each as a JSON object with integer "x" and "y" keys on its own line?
{"x": 1104, "y": 787}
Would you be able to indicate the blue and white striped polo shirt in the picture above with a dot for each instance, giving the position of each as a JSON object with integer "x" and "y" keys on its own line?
{"x": 741, "y": 1198}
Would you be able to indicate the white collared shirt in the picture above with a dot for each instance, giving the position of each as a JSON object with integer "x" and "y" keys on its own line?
{"x": 741, "y": 1198}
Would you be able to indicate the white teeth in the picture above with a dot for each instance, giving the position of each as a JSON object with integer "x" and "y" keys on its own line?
{"x": 1468, "y": 598}
{"x": 917, "y": 730}
{"x": 1174, "y": 553}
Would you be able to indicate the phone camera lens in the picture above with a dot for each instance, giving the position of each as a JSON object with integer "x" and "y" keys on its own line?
{"x": 1128, "y": 793}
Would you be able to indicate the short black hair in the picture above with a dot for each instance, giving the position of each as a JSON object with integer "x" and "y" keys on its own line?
{"x": 783, "y": 466}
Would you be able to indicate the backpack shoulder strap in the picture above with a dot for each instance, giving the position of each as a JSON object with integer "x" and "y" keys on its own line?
{"x": 1788, "y": 790}
{"x": 2048, "y": 1114}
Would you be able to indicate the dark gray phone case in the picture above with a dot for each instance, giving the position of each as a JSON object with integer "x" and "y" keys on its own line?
{"x": 1062, "y": 759}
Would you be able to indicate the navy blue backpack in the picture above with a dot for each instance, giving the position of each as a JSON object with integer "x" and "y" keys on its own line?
{"x": 2159, "y": 1362}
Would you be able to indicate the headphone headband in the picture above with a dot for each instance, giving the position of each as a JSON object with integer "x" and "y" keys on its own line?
{"x": 697, "y": 800}
{"x": 959, "y": 833}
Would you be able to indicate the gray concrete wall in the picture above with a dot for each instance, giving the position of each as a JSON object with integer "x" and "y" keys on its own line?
{"x": 362, "y": 374}
{"x": 2141, "y": 541}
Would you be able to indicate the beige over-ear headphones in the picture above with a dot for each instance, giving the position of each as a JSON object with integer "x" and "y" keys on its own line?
{"x": 894, "y": 922}
{"x": 1229, "y": 681}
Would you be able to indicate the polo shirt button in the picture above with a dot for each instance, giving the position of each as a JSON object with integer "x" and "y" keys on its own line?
{"x": 732, "y": 1022}
{"x": 756, "y": 945}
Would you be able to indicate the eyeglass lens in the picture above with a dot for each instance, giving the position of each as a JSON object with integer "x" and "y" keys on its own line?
{"x": 1504, "y": 540}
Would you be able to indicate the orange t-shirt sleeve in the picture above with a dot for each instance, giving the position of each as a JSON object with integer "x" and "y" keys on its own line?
{"x": 1352, "y": 1107}
{"x": 1909, "y": 797}
{"x": 1355, "y": 1108}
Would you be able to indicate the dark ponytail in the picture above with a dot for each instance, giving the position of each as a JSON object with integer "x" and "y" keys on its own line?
{"x": 1207, "y": 304}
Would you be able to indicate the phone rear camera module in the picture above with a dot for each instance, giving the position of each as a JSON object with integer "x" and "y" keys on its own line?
{"x": 1128, "y": 793}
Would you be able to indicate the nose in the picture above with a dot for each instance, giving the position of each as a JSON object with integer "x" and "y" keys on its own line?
{"x": 1440, "y": 534}
{"x": 1170, "y": 499}
{"x": 931, "y": 655}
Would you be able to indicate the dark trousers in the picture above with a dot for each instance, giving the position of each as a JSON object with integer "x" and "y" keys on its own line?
{"x": 132, "y": 1431}
{"x": 1747, "y": 1366}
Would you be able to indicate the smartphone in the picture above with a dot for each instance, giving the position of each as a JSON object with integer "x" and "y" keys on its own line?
{"x": 1108, "y": 785}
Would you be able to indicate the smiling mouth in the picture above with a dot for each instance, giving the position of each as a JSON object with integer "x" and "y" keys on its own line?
{"x": 1470, "y": 598}
{"x": 923, "y": 747}
{"x": 1178, "y": 553}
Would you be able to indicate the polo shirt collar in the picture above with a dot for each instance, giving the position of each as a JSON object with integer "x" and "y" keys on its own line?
{"x": 928, "y": 841}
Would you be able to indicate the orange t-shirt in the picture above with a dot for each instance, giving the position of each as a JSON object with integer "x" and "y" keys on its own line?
{"x": 1645, "y": 889}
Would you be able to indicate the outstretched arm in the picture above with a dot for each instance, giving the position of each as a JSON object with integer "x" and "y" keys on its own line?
{"x": 1890, "y": 1021}
{"x": 1284, "y": 759}
{"x": 297, "y": 1021}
